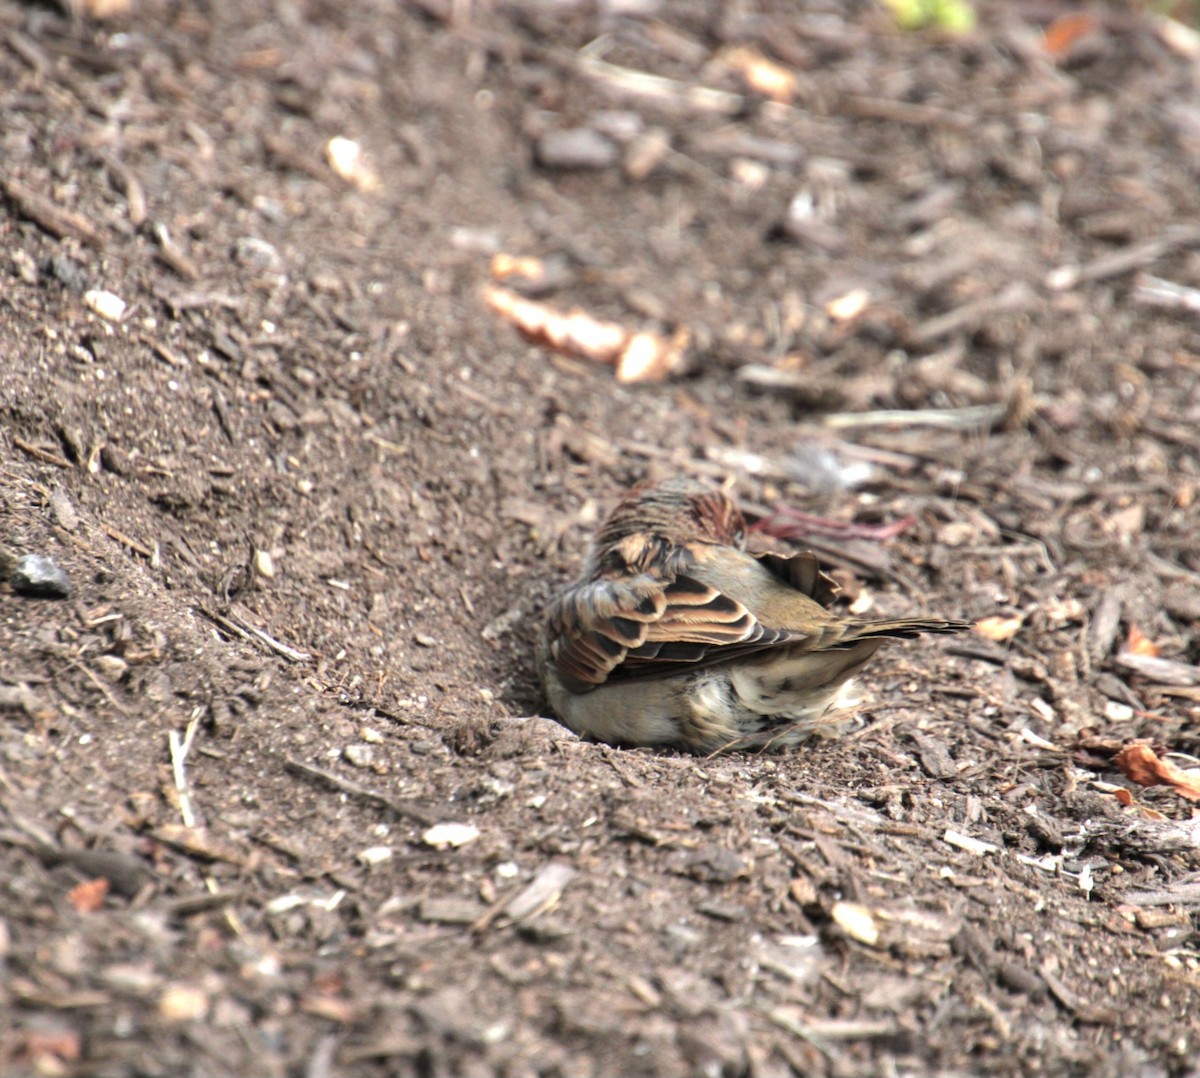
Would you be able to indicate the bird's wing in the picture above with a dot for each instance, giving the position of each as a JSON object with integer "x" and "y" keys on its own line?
{"x": 803, "y": 572}
{"x": 649, "y": 626}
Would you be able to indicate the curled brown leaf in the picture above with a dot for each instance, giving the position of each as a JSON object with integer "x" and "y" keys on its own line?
{"x": 1140, "y": 763}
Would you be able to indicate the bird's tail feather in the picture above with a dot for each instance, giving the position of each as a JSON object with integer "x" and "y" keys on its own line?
{"x": 903, "y": 628}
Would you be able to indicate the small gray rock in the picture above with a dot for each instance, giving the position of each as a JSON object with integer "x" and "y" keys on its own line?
{"x": 257, "y": 254}
{"x": 38, "y": 576}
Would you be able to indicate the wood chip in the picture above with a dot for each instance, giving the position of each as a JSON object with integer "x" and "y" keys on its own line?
{"x": 200, "y": 842}
{"x": 934, "y": 755}
{"x": 46, "y": 215}
{"x": 1158, "y": 670}
{"x": 542, "y": 892}
{"x": 856, "y": 921}
{"x": 970, "y": 845}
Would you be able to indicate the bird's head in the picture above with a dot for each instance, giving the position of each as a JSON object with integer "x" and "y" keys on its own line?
{"x": 678, "y": 510}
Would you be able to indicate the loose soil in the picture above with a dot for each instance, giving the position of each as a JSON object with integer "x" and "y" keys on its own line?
{"x": 312, "y": 494}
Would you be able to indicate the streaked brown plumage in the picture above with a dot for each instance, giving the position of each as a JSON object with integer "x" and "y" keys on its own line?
{"x": 676, "y": 635}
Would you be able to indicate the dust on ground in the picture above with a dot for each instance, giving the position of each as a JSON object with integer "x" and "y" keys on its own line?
{"x": 311, "y": 494}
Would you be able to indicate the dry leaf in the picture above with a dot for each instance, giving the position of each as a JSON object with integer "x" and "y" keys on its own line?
{"x": 761, "y": 74}
{"x": 48, "y": 1051}
{"x": 1181, "y": 39}
{"x": 1127, "y": 800}
{"x": 103, "y": 9}
{"x": 851, "y": 305}
{"x": 1142, "y": 765}
{"x": 504, "y": 266}
{"x": 637, "y": 357}
{"x": 327, "y": 1007}
{"x": 88, "y": 896}
{"x": 1140, "y": 644}
{"x": 348, "y": 159}
{"x": 862, "y": 604}
{"x": 574, "y": 333}
{"x": 1064, "y": 31}
{"x": 1000, "y": 628}
{"x": 651, "y": 358}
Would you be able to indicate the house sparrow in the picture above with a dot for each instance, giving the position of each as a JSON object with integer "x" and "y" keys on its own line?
{"x": 675, "y": 635}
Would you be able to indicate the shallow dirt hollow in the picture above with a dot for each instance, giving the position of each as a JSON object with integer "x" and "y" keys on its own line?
{"x": 311, "y": 494}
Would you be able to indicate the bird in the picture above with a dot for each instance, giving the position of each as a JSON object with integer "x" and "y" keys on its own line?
{"x": 678, "y": 636}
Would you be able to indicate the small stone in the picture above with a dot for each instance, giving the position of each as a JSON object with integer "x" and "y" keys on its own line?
{"x": 359, "y": 755}
{"x": 451, "y": 911}
{"x": 257, "y": 254}
{"x": 115, "y": 460}
{"x": 443, "y": 835}
{"x": 69, "y": 273}
{"x": 375, "y": 855}
{"x": 107, "y": 305}
{"x": 25, "y": 267}
{"x": 1183, "y": 601}
{"x": 575, "y": 148}
{"x": 347, "y": 158}
{"x": 646, "y": 153}
{"x": 856, "y": 921}
{"x": 183, "y": 1003}
{"x": 620, "y": 125}
{"x": 1117, "y": 712}
{"x": 112, "y": 667}
{"x": 62, "y": 510}
{"x": 264, "y": 564}
{"x": 38, "y": 577}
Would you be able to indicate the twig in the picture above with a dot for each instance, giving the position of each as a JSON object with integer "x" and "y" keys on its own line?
{"x": 904, "y": 112}
{"x": 656, "y": 88}
{"x": 363, "y": 793}
{"x": 835, "y": 1029}
{"x": 1016, "y": 297}
{"x": 974, "y": 417}
{"x": 246, "y": 631}
{"x": 173, "y": 256}
{"x": 180, "y": 747}
{"x": 1113, "y": 265}
{"x": 125, "y": 540}
{"x": 47, "y": 215}
{"x": 135, "y": 195}
{"x": 40, "y": 454}
{"x": 1157, "y": 292}
{"x": 102, "y": 687}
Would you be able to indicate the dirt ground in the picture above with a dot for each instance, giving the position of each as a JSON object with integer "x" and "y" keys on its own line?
{"x": 275, "y": 795}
